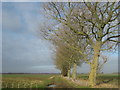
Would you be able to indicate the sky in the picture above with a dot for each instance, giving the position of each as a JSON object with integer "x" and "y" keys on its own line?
{"x": 23, "y": 51}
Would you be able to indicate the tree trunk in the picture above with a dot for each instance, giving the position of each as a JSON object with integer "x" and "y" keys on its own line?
{"x": 74, "y": 71}
{"x": 68, "y": 74}
{"x": 94, "y": 65}
{"x": 64, "y": 71}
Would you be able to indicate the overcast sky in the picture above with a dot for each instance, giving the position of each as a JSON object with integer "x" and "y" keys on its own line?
{"x": 23, "y": 50}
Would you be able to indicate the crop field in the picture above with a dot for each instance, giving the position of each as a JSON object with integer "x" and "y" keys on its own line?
{"x": 47, "y": 80}
{"x": 25, "y": 81}
{"x": 34, "y": 81}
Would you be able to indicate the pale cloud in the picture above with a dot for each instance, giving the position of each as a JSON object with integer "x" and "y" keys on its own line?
{"x": 10, "y": 21}
{"x": 22, "y": 50}
{"x": 27, "y": 14}
{"x": 31, "y": 15}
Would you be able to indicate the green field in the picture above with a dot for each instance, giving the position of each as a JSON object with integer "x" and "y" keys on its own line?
{"x": 111, "y": 79}
{"x": 46, "y": 80}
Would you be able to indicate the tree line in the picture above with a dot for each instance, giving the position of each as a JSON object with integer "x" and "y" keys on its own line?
{"x": 81, "y": 32}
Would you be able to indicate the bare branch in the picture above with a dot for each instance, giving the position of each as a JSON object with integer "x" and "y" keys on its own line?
{"x": 108, "y": 39}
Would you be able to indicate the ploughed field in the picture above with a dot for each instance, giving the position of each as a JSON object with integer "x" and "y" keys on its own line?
{"x": 51, "y": 81}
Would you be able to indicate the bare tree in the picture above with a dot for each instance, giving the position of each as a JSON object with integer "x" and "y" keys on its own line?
{"x": 96, "y": 23}
{"x": 64, "y": 50}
